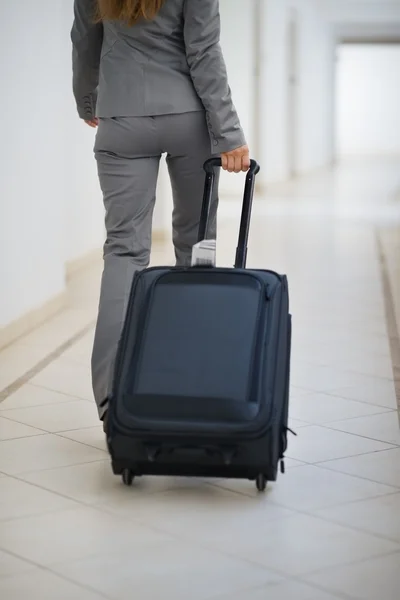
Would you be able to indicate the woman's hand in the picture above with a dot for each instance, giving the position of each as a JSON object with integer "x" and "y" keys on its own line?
{"x": 236, "y": 160}
{"x": 93, "y": 122}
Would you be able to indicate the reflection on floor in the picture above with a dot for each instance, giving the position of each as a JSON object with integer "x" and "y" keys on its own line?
{"x": 330, "y": 528}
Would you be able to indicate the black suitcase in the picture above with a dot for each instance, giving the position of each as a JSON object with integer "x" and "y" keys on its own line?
{"x": 201, "y": 382}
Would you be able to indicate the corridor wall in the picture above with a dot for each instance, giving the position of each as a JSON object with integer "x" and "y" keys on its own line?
{"x": 32, "y": 169}
{"x": 314, "y": 81}
{"x": 368, "y": 99}
{"x": 51, "y": 211}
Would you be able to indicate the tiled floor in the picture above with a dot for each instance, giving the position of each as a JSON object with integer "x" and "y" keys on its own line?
{"x": 328, "y": 529}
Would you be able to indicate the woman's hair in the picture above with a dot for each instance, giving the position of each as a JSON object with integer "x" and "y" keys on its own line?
{"x": 129, "y": 11}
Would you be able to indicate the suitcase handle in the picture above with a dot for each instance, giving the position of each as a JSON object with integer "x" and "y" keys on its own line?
{"x": 209, "y": 167}
{"x": 214, "y": 163}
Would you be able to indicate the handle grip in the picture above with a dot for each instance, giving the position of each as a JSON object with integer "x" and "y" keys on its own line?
{"x": 214, "y": 163}
{"x": 209, "y": 167}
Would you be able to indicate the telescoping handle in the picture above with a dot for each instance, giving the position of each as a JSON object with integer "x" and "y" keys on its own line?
{"x": 209, "y": 167}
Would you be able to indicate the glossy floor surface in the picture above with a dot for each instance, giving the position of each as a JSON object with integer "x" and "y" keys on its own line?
{"x": 328, "y": 529}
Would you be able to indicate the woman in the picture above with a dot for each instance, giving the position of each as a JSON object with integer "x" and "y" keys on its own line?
{"x": 151, "y": 76}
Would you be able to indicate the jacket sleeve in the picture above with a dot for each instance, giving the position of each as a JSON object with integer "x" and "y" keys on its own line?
{"x": 87, "y": 40}
{"x": 208, "y": 72}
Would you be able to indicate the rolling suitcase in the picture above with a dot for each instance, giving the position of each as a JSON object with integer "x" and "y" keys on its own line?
{"x": 201, "y": 382}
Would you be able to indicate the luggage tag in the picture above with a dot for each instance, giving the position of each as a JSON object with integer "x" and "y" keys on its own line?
{"x": 204, "y": 254}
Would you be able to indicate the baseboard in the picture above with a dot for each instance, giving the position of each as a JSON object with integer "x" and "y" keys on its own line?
{"x": 29, "y": 321}
{"x": 82, "y": 262}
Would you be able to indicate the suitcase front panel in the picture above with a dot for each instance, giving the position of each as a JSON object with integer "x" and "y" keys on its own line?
{"x": 194, "y": 357}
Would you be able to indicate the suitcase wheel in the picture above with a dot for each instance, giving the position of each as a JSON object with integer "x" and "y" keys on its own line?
{"x": 127, "y": 477}
{"x": 261, "y": 482}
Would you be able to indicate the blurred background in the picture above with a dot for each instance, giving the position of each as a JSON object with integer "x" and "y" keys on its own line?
{"x": 316, "y": 83}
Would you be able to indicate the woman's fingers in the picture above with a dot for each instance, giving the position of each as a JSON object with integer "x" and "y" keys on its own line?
{"x": 92, "y": 122}
{"x": 236, "y": 160}
{"x": 238, "y": 164}
{"x": 246, "y": 162}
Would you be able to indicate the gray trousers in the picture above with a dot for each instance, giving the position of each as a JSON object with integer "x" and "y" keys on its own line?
{"x": 128, "y": 152}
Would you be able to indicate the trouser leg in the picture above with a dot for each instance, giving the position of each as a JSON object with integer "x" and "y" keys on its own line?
{"x": 128, "y": 184}
{"x": 188, "y": 148}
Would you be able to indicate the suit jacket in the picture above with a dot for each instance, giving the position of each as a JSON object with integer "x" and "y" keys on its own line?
{"x": 172, "y": 64}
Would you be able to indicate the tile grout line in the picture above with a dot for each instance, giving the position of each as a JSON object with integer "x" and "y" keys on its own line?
{"x": 18, "y": 383}
{"x": 305, "y": 577}
{"x": 391, "y": 322}
{"x": 361, "y": 435}
{"x": 48, "y": 569}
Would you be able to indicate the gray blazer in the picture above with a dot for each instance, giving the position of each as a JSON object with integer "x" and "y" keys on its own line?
{"x": 172, "y": 64}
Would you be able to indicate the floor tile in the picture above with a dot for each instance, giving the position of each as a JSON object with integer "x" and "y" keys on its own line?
{"x": 377, "y": 366}
{"x": 309, "y": 488}
{"x": 378, "y": 392}
{"x": 176, "y": 569}
{"x": 340, "y": 354}
{"x": 328, "y": 379}
{"x": 81, "y": 351}
{"x": 12, "y": 565}
{"x": 9, "y": 430}
{"x": 32, "y": 395}
{"x": 297, "y": 424}
{"x": 55, "y": 332}
{"x": 379, "y": 516}
{"x": 325, "y": 408}
{"x": 304, "y": 544}
{"x": 67, "y": 377}
{"x": 265, "y": 534}
{"x": 92, "y": 436}
{"x": 48, "y": 585}
{"x": 90, "y": 483}
{"x": 16, "y": 360}
{"x": 382, "y": 467}
{"x": 287, "y": 590}
{"x": 369, "y": 580}
{"x": 204, "y": 514}
{"x": 296, "y": 392}
{"x": 20, "y": 499}
{"x": 383, "y": 427}
{"x": 44, "y": 452}
{"x": 290, "y": 463}
{"x": 316, "y": 444}
{"x": 19, "y": 358}
{"x": 94, "y": 483}
{"x": 57, "y": 417}
{"x": 74, "y": 534}
{"x": 139, "y": 541}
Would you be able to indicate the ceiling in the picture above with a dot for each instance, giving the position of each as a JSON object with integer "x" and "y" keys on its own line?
{"x": 363, "y": 20}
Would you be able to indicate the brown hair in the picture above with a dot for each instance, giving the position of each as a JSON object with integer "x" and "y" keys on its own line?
{"x": 129, "y": 11}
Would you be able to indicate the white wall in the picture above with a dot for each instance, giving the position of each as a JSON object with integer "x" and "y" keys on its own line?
{"x": 368, "y": 99}
{"x": 51, "y": 210}
{"x": 32, "y": 175}
{"x": 314, "y": 135}
{"x": 237, "y": 41}
{"x": 315, "y": 80}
